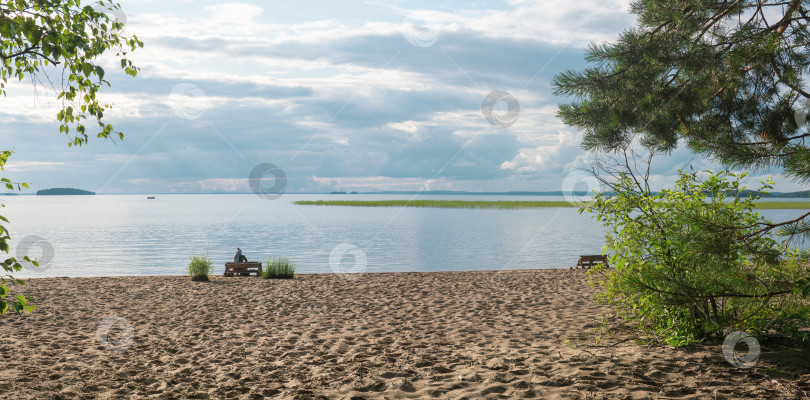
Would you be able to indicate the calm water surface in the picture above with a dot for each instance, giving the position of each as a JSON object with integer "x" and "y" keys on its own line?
{"x": 108, "y": 235}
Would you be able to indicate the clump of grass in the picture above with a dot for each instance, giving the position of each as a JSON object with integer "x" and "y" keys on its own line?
{"x": 279, "y": 268}
{"x": 199, "y": 267}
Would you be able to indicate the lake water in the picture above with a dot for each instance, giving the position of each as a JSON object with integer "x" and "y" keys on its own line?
{"x": 109, "y": 235}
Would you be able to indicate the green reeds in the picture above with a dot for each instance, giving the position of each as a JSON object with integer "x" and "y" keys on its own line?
{"x": 507, "y": 204}
{"x": 199, "y": 267}
{"x": 783, "y": 205}
{"x": 504, "y": 205}
{"x": 279, "y": 268}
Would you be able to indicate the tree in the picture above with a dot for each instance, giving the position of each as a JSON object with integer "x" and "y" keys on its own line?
{"x": 38, "y": 38}
{"x": 694, "y": 261}
{"x": 728, "y": 78}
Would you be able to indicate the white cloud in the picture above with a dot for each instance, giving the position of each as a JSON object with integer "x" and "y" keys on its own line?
{"x": 25, "y": 166}
{"x": 552, "y": 157}
{"x": 334, "y": 90}
{"x": 378, "y": 183}
{"x": 234, "y": 13}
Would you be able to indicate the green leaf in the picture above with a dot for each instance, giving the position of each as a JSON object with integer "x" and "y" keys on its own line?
{"x": 35, "y": 34}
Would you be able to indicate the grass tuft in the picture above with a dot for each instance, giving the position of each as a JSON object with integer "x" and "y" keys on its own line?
{"x": 199, "y": 267}
{"x": 279, "y": 268}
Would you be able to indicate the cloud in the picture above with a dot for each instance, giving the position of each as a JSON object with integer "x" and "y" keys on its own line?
{"x": 25, "y": 166}
{"x": 335, "y": 96}
{"x": 378, "y": 183}
{"x": 223, "y": 185}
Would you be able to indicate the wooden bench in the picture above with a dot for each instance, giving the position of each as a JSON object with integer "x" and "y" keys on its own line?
{"x": 243, "y": 268}
{"x": 591, "y": 260}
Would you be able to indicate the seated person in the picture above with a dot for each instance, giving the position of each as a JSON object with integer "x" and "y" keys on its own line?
{"x": 238, "y": 257}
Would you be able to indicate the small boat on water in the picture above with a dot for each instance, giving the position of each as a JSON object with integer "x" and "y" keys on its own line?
{"x": 150, "y": 197}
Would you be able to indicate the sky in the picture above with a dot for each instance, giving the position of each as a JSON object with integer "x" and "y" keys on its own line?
{"x": 335, "y": 96}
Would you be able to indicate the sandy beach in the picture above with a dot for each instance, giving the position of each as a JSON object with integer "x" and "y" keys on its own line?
{"x": 444, "y": 335}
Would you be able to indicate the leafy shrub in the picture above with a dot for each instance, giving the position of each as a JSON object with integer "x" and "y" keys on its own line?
{"x": 199, "y": 267}
{"x": 697, "y": 262}
{"x": 279, "y": 268}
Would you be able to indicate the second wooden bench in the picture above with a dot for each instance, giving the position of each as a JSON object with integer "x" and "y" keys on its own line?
{"x": 591, "y": 260}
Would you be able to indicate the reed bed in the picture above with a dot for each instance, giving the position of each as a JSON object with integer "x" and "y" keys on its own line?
{"x": 199, "y": 267}
{"x": 783, "y": 205}
{"x": 506, "y": 204}
{"x": 279, "y": 268}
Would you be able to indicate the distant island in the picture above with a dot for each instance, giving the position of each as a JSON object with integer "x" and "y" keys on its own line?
{"x": 63, "y": 192}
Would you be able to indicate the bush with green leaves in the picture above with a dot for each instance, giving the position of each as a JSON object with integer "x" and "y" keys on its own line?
{"x": 199, "y": 267}
{"x": 11, "y": 265}
{"x": 279, "y": 268}
{"x": 696, "y": 262}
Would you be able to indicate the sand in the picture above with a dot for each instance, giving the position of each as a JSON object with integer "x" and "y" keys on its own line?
{"x": 447, "y": 335}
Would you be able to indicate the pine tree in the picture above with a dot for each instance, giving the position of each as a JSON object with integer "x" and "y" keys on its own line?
{"x": 726, "y": 78}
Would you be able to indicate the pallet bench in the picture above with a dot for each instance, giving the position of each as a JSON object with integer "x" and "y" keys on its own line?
{"x": 243, "y": 268}
{"x": 591, "y": 260}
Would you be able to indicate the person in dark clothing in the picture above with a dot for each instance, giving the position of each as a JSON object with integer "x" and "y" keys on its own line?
{"x": 238, "y": 256}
